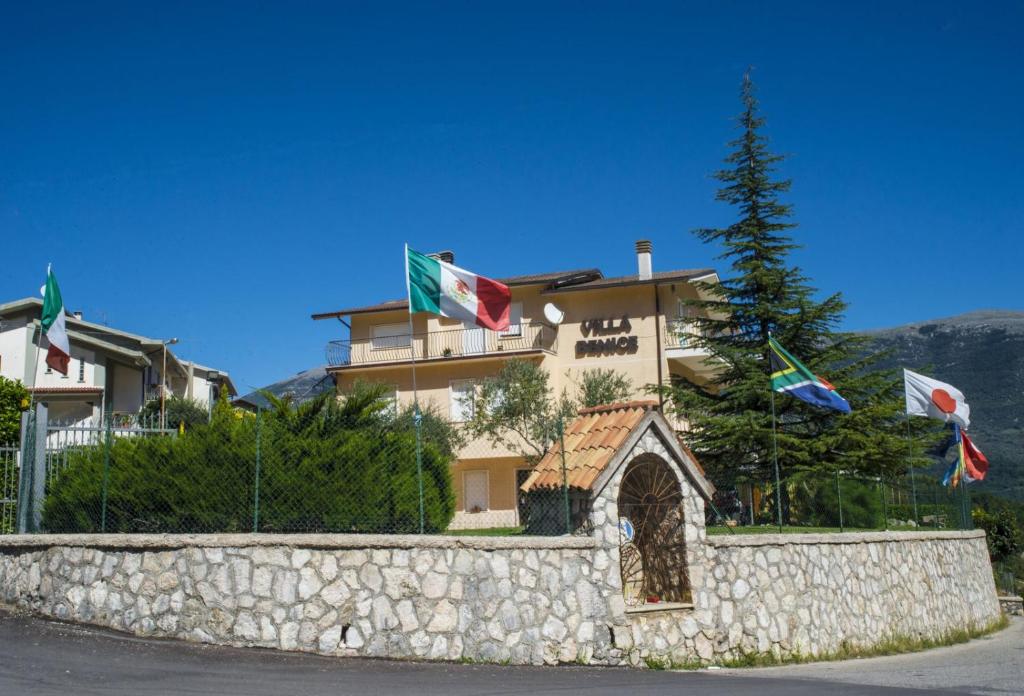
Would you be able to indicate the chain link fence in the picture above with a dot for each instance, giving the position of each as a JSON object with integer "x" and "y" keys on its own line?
{"x": 837, "y": 501}
{"x": 348, "y": 468}
{"x": 364, "y": 467}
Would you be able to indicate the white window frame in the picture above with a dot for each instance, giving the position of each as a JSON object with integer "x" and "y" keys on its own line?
{"x": 379, "y": 340}
{"x": 452, "y": 403}
{"x": 393, "y": 397}
{"x": 487, "y": 489}
{"x": 515, "y": 321}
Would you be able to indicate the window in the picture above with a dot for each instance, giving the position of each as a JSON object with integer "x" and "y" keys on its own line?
{"x": 475, "y": 491}
{"x": 460, "y": 398}
{"x": 81, "y": 369}
{"x": 384, "y": 336}
{"x": 515, "y": 320}
{"x": 391, "y": 397}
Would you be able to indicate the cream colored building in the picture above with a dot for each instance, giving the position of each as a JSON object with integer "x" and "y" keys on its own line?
{"x": 634, "y": 324}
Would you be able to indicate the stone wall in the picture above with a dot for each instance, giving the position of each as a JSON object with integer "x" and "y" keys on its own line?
{"x": 528, "y": 600}
{"x": 814, "y": 594}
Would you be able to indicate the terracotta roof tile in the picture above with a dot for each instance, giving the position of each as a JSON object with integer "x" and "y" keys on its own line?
{"x": 590, "y": 443}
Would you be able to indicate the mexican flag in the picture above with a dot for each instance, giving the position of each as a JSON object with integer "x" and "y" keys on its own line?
{"x": 59, "y": 353}
{"x": 441, "y": 288}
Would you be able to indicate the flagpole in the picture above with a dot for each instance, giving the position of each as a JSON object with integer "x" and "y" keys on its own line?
{"x": 417, "y": 417}
{"x": 775, "y": 445}
{"x": 39, "y": 347}
{"x": 775, "y": 456}
{"x": 910, "y": 464}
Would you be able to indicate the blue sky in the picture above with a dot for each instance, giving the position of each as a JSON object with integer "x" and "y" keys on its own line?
{"x": 218, "y": 172}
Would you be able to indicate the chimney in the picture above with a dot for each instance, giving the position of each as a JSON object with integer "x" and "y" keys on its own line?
{"x": 643, "y": 259}
{"x": 446, "y": 256}
{"x": 77, "y": 315}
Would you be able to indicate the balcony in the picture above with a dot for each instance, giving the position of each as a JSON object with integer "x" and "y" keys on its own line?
{"x": 681, "y": 346}
{"x": 679, "y": 333}
{"x": 443, "y": 345}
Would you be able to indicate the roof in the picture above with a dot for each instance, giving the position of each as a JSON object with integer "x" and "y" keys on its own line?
{"x": 598, "y": 440}
{"x": 660, "y": 277}
{"x": 590, "y": 443}
{"x": 685, "y": 274}
{"x": 511, "y": 281}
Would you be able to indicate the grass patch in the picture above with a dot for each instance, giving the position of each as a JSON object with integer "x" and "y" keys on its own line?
{"x": 487, "y": 532}
{"x": 774, "y": 529}
{"x": 893, "y": 645}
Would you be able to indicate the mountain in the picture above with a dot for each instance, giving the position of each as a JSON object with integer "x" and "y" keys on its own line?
{"x": 301, "y": 387}
{"x": 981, "y": 354}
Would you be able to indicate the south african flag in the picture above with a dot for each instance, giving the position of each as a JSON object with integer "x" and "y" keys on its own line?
{"x": 790, "y": 376}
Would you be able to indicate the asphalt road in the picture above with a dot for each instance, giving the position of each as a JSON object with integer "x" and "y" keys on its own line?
{"x": 40, "y": 657}
{"x": 990, "y": 665}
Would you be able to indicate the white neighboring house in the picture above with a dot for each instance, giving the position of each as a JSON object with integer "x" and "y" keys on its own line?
{"x": 110, "y": 371}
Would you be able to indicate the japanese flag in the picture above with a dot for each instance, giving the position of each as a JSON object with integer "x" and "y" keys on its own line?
{"x": 934, "y": 399}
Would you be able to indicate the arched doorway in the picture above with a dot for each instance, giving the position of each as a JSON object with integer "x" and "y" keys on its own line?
{"x": 652, "y": 539}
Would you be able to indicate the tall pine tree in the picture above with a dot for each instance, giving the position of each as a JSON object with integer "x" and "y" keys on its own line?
{"x": 730, "y": 416}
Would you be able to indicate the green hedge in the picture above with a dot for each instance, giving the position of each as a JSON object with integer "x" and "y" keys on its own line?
{"x": 325, "y": 468}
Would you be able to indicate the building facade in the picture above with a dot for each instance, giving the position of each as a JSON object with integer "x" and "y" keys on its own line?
{"x": 568, "y": 322}
{"x": 111, "y": 371}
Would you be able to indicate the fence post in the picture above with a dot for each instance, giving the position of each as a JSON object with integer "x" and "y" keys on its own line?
{"x": 418, "y": 420}
{"x": 106, "y": 472}
{"x": 256, "y": 486}
{"x": 38, "y": 475}
{"x": 885, "y": 509}
{"x": 28, "y": 438}
{"x": 565, "y": 476}
{"x": 839, "y": 498}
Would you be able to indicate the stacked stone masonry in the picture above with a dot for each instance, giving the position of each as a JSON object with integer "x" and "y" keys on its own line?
{"x": 523, "y": 601}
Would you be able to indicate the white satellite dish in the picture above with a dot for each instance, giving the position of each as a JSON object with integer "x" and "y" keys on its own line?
{"x": 553, "y": 314}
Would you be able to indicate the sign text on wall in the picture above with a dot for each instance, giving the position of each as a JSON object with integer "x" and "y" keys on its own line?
{"x": 608, "y": 343}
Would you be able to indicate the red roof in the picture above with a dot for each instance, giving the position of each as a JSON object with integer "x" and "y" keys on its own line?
{"x": 590, "y": 443}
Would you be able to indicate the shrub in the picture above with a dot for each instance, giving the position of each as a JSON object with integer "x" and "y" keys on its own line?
{"x": 324, "y": 466}
{"x": 1002, "y": 532}
{"x": 177, "y": 410}
{"x": 861, "y": 503}
{"x": 14, "y": 399}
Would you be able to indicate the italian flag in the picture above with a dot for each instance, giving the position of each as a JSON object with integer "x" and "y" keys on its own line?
{"x": 59, "y": 353}
{"x": 441, "y": 288}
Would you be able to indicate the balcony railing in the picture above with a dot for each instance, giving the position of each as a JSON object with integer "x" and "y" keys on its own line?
{"x": 437, "y": 345}
{"x": 679, "y": 333}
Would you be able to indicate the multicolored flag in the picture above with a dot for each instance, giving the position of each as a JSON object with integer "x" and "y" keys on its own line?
{"x": 790, "y": 376}
{"x": 970, "y": 464}
{"x": 58, "y": 355}
{"x": 441, "y": 288}
{"x": 934, "y": 399}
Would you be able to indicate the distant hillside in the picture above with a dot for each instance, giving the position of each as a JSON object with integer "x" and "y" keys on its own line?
{"x": 982, "y": 354}
{"x": 301, "y": 387}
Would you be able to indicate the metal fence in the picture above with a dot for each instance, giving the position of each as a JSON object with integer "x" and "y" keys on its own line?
{"x": 335, "y": 469}
{"x": 10, "y": 456}
{"x": 837, "y": 501}
{"x": 367, "y": 469}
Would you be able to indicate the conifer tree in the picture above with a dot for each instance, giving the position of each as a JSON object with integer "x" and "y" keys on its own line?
{"x": 765, "y": 293}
